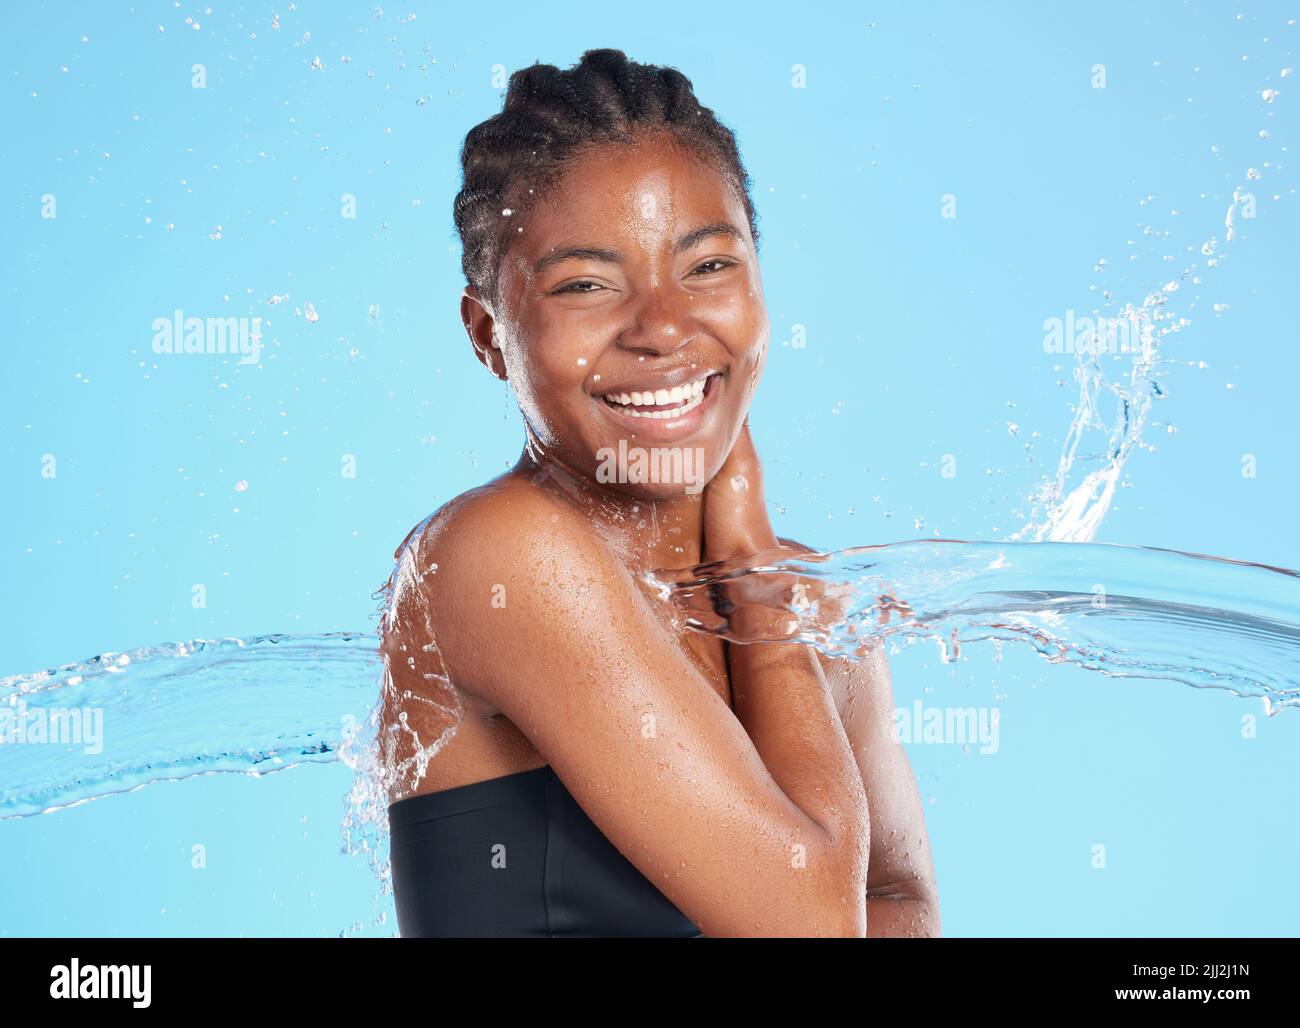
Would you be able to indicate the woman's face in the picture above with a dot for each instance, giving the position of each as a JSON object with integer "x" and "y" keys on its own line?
{"x": 631, "y": 318}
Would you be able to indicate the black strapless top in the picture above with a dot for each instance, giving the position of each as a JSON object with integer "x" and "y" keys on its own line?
{"x": 517, "y": 856}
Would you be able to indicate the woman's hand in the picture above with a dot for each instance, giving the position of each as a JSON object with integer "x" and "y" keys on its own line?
{"x": 735, "y": 513}
{"x": 736, "y": 525}
{"x": 771, "y": 605}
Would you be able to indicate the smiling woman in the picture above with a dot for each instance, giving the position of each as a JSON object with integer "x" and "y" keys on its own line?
{"x": 611, "y": 773}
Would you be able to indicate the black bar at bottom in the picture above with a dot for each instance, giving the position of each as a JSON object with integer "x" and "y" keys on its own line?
{"x": 331, "y": 977}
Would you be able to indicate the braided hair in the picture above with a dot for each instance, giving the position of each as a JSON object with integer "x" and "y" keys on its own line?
{"x": 550, "y": 116}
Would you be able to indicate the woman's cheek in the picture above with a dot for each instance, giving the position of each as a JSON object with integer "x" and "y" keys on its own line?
{"x": 530, "y": 391}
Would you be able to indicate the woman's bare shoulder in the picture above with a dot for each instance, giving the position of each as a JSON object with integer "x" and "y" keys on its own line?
{"x": 511, "y": 532}
{"x": 506, "y": 514}
{"x": 470, "y": 578}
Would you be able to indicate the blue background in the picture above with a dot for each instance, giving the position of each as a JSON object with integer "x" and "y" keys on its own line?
{"x": 924, "y": 338}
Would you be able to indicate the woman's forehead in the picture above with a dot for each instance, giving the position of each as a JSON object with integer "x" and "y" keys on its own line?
{"x": 649, "y": 199}
{"x": 654, "y": 162}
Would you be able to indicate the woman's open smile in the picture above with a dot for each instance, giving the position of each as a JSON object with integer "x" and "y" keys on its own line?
{"x": 661, "y": 410}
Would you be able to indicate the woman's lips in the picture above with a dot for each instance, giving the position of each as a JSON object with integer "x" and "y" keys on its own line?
{"x": 663, "y": 413}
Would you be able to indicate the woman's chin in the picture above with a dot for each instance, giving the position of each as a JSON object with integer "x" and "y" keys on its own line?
{"x": 641, "y": 469}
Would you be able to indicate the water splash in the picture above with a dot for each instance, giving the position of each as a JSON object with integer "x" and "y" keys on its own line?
{"x": 253, "y": 706}
{"x": 273, "y": 702}
{"x": 1117, "y": 387}
{"x": 1125, "y": 611}
{"x": 261, "y": 705}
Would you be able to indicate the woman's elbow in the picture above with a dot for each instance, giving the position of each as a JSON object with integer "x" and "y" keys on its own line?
{"x": 907, "y": 909}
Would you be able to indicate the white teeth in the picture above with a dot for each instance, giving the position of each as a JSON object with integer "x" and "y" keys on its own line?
{"x": 688, "y": 397}
{"x": 663, "y": 415}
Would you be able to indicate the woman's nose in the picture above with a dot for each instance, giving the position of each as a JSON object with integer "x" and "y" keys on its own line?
{"x": 660, "y": 323}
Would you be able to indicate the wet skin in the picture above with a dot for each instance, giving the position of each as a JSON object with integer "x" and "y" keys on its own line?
{"x": 638, "y": 272}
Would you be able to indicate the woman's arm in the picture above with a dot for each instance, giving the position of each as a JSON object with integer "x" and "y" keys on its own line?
{"x": 779, "y": 692}
{"x": 538, "y": 617}
{"x": 902, "y": 898}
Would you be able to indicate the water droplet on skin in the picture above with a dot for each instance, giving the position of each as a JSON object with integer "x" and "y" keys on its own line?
{"x": 582, "y": 362}
{"x": 739, "y": 483}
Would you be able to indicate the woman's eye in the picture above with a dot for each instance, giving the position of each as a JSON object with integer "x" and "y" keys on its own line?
{"x": 575, "y": 287}
{"x": 713, "y": 266}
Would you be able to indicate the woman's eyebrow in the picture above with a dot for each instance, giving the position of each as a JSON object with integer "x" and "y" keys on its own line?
{"x": 595, "y": 253}
{"x": 582, "y": 253}
{"x": 717, "y": 228}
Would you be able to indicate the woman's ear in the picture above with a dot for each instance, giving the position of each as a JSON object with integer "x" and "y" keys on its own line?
{"x": 480, "y": 326}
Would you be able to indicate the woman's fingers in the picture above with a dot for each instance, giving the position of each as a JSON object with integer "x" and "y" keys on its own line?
{"x": 735, "y": 513}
